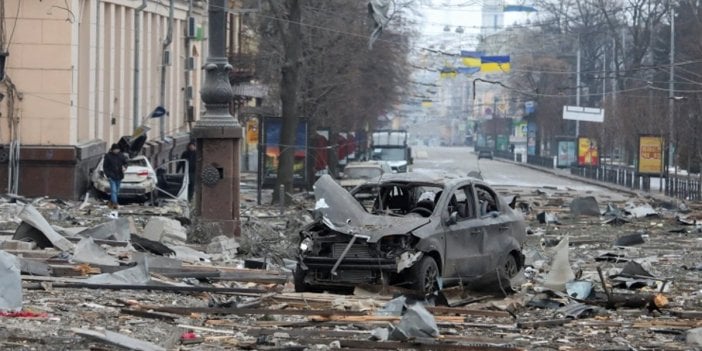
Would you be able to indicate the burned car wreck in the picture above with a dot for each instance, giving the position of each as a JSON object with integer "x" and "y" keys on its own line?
{"x": 411, "y": 231}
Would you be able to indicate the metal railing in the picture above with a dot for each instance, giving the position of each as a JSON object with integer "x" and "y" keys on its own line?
{"x": 686, "y": 187}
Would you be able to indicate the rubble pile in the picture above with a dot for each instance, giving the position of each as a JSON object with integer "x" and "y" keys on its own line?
{"x": 77, "y": 276}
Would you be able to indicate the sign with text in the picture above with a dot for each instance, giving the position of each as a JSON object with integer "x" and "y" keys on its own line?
{"x": 586, "y": 114}
{"x": 588, "y": 154}
{"x": 650, "y": 155}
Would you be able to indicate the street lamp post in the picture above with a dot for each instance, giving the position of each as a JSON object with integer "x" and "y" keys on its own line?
{"x": 218, "y": 134}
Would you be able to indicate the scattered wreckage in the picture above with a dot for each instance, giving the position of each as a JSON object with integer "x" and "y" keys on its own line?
{"x": 410, "y": 230}
{"x": 141, "y": 181}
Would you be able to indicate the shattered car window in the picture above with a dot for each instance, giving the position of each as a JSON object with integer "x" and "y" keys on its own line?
{"x": 487, "y": 200}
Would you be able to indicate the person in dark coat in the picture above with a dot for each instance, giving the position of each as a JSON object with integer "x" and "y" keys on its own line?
{"x": 114, "y": 165}
{"x": 190, "y": 154}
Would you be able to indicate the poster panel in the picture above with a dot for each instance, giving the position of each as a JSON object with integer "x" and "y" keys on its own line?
{"x": 588, "y": 154}
{"x": 271, "y": 151}
{"x": 566, "y": 153}
{"x": 650, "y": 155}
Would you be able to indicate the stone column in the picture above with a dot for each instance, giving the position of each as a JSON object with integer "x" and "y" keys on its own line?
{"x": 218, "y": 134}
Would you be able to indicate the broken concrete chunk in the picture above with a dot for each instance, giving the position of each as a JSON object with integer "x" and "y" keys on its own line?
{"x": 417, "y": 322}
{"x": 223, "y": 245}
{"x": 116, "y": 229}
{"x": 17, "y": 245}
{"x": 630, "y": 240}
{"x": 585, "y": 206}
{"x": 165, "y": 230}
{"x": 560, "y": 272}
{"x": 11, "y": 286}
{"x": 34, "y": 227}
{"x": 87, "y": 251}
{"x": 640, "y": 211}
{"x": 118, "y": 339}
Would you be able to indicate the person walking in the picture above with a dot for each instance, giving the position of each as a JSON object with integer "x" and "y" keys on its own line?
{"x": 190, "y": 154}
{"x": 114, "y": 165}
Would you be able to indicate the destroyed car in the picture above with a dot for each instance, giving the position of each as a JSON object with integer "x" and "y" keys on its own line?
{"x": 141, "y": 181}
{"x": 357, "y": 173}
{"x": 412, "y": 231}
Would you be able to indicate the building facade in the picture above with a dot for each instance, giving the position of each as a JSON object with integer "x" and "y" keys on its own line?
{"x": 79, "y": 74}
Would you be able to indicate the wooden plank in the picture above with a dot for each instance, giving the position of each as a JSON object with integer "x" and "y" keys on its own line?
{"x": 465, "y": 311}
{"x": 212, "y": 289}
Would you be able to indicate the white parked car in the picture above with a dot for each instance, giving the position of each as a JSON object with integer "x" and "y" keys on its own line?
{"x": 139, "y": 179}
{"x": 357, "y": 173}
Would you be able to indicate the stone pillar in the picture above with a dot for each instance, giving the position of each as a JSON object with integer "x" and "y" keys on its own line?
{"x": 218, "y": 134}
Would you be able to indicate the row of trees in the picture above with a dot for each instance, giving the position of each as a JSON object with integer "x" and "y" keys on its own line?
{"x": 625, "y": 62}
{"x": 315, "y": 56}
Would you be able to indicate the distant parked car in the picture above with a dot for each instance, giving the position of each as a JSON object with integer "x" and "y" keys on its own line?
{"x": 485, "y": 154}
{"x": 357, "y": 173}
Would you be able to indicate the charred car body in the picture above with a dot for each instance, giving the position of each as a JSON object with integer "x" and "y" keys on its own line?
{"x": 411, "y": 231}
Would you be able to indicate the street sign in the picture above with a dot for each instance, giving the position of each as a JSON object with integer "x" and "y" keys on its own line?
{"x": 587, "y": 114}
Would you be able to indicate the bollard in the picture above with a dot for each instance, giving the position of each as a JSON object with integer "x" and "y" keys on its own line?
{"x": 281, "y": 199}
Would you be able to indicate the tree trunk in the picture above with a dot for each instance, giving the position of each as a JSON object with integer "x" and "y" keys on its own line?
{"x": 289, "y": 86}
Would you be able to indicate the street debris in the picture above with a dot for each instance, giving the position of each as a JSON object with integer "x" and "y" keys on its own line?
{"x": 585, "y": 206}
{"x": 11, "y": 287}
{"x": 107, "y": 284}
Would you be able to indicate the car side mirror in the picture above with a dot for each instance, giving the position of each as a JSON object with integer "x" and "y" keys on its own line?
{"x": 453, "y": 218}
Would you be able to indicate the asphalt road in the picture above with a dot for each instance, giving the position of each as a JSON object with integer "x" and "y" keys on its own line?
{"x": 462, "y": 160}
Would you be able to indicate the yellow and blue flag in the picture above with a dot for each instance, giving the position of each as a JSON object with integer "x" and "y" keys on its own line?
{"x": 489, "y": 64}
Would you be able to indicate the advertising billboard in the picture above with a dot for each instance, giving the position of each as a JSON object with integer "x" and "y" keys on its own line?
{"x": 650, "y": 155}
{"x": 271, "y": 151}
{"x": 566, "y": 153}
{"x": 588, "y": 154}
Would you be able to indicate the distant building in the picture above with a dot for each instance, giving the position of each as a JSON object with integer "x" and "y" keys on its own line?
{"x": 492, "y": 17}
{"x": 78, "y": 87}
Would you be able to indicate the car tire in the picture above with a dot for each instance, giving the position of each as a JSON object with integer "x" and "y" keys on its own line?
{"x": 509, "y": 267}
{"x": 425, "y": 274}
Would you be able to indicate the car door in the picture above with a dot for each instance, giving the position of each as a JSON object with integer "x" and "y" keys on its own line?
{"x": 497, "y": 224}
{"x": 465, "y": 236}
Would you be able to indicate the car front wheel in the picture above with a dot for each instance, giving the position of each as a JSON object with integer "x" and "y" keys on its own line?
{"x": 426, "y": 273}
{"x": 509, "y": 267}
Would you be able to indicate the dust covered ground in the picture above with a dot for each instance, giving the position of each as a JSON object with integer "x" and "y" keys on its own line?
{"x": 238, "y": 308}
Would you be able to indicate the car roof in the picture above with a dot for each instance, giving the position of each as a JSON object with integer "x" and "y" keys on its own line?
{"x": 438, "y": 178}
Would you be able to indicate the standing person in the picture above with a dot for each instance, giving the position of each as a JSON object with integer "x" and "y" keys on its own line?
{"x": 114, "y": 165}
{"x": 190, "y": 154}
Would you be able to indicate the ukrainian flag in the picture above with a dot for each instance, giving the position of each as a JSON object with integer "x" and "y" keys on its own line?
{"x": 448, "y": 73}
{"x": 490, "y": 64}
{"x": 471, "y": 58}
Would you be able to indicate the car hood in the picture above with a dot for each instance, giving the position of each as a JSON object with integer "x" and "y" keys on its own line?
{"x": 342, "y": 213}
